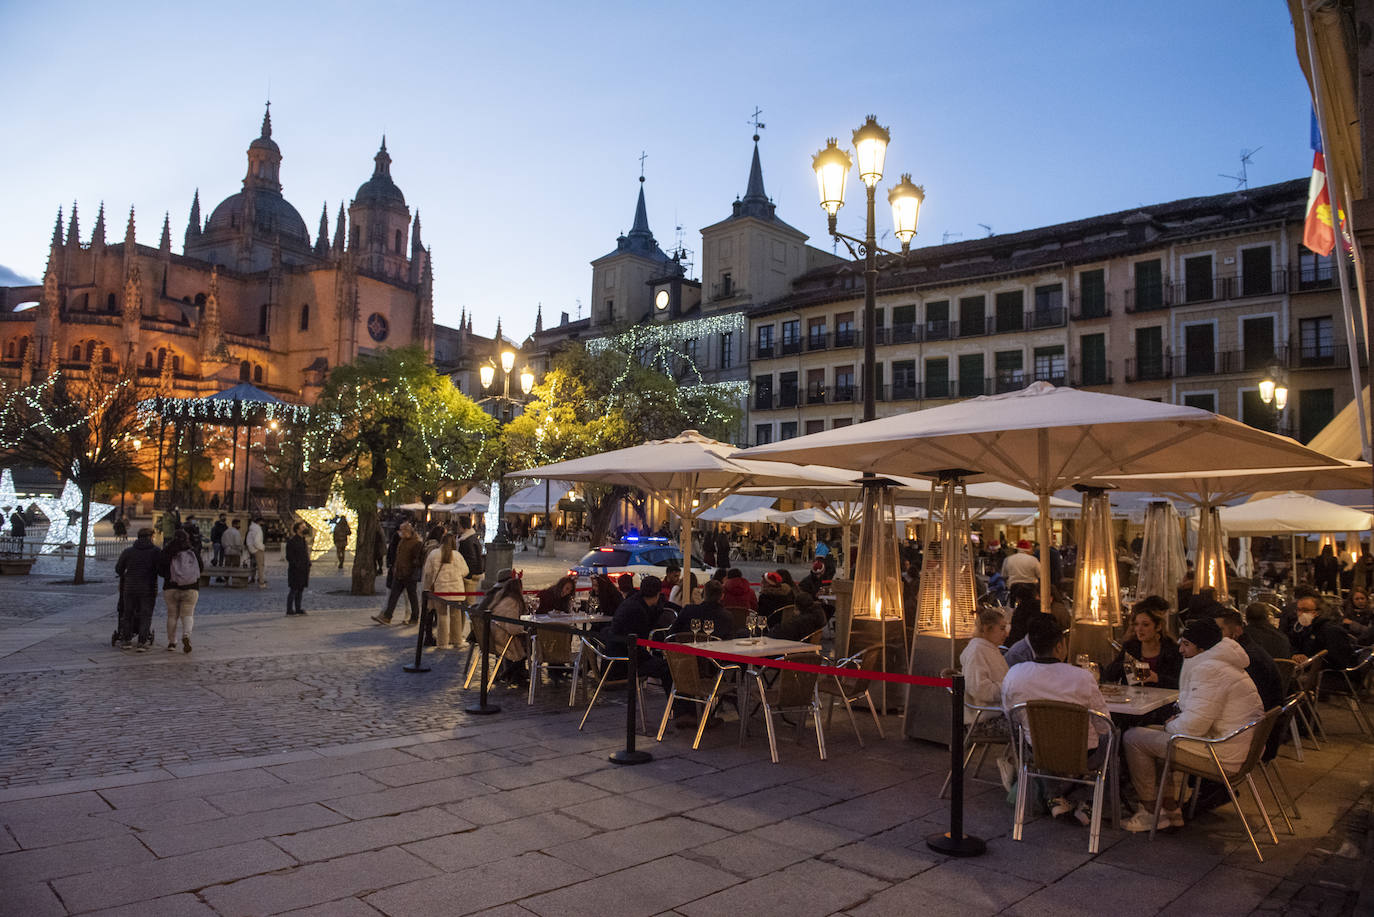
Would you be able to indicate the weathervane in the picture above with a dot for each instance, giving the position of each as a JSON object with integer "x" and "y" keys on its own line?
{"x": 758, "y": 125}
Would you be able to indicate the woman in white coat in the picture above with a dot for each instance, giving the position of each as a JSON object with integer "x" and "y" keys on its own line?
{"x": 444, "y": 571}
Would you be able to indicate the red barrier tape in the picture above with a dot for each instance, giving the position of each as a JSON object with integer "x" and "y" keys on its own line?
{"x": 449, "y": 595}
{"x": 861, "y": 674}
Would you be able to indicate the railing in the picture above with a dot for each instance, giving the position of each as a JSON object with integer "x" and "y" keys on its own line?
{"x": 1224, "y": 362}
{"x": 815, "y": 394}
{"x": 764, "y": 351}
{"x": 939, "y": 330}
{"x": 1242, "y": 285}
{"x": 817, "y": 341}
{"x": 1052, "y": 317}
{"x": 725, "y": 289}
{"x": 1335, "y": 356}
{"x": 1150, "y": 297}
{"x": 791, "y": 347}
{"x": 907, "y": 333}
{"x": 1085, "y": 309}
{"x": 1151, "y": 371}
{"x": 1061, "y": 377}
{"x": 845, "y": 393}
{"x": 787, "y": 398}
{"x": 972, "y": 326}
{"x": 1009, "y": 380}
{"x": 763, "y": 400}
{"x": 1091, "y": 374}
{"x": 847, "y": 337}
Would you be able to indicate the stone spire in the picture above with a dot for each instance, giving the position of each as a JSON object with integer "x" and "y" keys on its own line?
{"x": 755, "y": 202}
{"x": 74, "y": 228}
{"x": 322, "y": 239}
{"x": 418, "y": 255}
{"x": 129, "y": 235}
{"x": 539, "y": 318}
{"x": 422, "y": 329}
{"x": 496, "y": 341}
{"x": 57, "y": 230}
{"x": 264, "y": 159}
{"x": 339, "y": 236}
{"x": 193, "y": 224}
{"x": 98, "y": 234}
{"x": 463, "y": 319}
{"x": 211, "y": 333}
{"x": 641, "y": 223}
{"x": 165, "y": 245}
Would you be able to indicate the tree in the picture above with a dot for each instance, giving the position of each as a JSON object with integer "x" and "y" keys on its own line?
{"x": 79, "y": 429}
{"x": 592, "y": 402}
{"x": 391, "y": 422}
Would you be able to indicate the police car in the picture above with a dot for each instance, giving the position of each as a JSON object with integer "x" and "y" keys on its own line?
{"x": 639, "y": 557}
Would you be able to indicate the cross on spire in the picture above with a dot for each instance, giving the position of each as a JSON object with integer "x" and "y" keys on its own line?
{"x": 758, "y": 125}
{"x": 642, "y": 156}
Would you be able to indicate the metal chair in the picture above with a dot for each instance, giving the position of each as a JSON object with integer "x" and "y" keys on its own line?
{"x": 478, "y": 624}
{"x": 1052, "y": 745}
{"x": 603, "y": 659}
{"x": 849, "y": 690}
{"x": 1351, "y": 679}
{"x": 690, "y": 684}
{"x": 1287, "y": 669}
{"x": 1307, "y": 677}
{"x": 1211, "y": 768}
{"x": 974, "y": 740}
{"x": 792, "y": 690}
{"x": 1268, "y": 762}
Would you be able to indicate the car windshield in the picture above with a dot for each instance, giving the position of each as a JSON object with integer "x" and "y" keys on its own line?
{"x": 612, "y": 558}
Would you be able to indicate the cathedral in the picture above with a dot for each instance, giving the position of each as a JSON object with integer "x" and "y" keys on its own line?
{"x": 251, "y": 298}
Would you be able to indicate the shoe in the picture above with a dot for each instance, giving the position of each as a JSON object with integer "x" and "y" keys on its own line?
{"x": 144, "y": 647}
{"x": 386, "y": 622}
{"x": 300, "y": 612}
{"x": 1084, "y": 813}
{"x": 1175, "y": 817}
{"x": 1007, "y": 771}
{"x": 262, "y": 585}
{"x": 411, "y": 622}
{"x": 1060, "y": 806}
{"x": 126, "y": 644}
{"x": 172, "y": 647}
{"x": 1143, "y": 820}
{"x": 185, "y": 644}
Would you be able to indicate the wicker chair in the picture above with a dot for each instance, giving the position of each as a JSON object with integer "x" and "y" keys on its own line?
{"x": 478, "y": 624}
{"x": 796, "y": 691}
{"x": 849, "y": 690}
{"x": 738, "y": 615}
{"x": 1052, "y": 745}
{"x": 555, "y": 653}
{"x": 692, "y": 682}
{"x": 1207, "y": 766}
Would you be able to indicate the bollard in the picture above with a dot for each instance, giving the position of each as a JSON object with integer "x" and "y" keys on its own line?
{"x": 419, "y": 665}
{"x": 628, "y": 755}
{"x": 956, "y": 843}
{"x": 482, "y": 708}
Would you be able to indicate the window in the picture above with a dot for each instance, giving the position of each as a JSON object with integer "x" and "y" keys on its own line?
{"x": 1256, "y": 271}
{"x": 400, "y": 244}
{"x": 9, "y": 351}
{"x": 844, "y": 383}
{"x": 1010, "y": 370}
{"x": 791, "y": 336}
{"x": 1315, "y": 343}
{"x": 1256, "y": 413}
{"x": 161, "y": 358}
{"x": 972, "y": 313}
{"x": 690, "y": 347}
{"x": 1316, "y": 407}
{"x": 1092, "y": 294}
{"x": 1205, "y": 400}
{"x": 1149, "y": 285}
{"x": 110, "y": 304}
{"x": 844, "y": 330}
{"x": 105, "y": 355}
{"x": 815, "y": 386}
{"x": 727, "y": 285}
{"x": 148, "y": 360}
{"x": 1314, "y": 271}
{"x": 903, "y": 379}
{"x": 815, "y": 426}
{"x": 305, "y": 317}
{"x": 763, "y": 392}
{"x": 937, "y": 377}
{"x": 244, "y": 371}
{"x": 90, "y": 351}
{"x": 176, "y": 363}
{"x": 787, "y": 429}
{"x": 200, "y": 299}
{"x": 1197, "y": 278}
{"x": 257, "y": 373}
{"x": 841, "y": 422}
{"x": 937, "y": 320}
{"x": 727, "y": 349}
{"x": 1049, "y": 305}
{"x": 1010, "y": 311}
{"x": 76, "y": 353}
{"x": 764, "y": 337}
{"x": 787, "y": 390}
{"x": 1258, "y": 340}
{"x": 1199, "y": 349}
{"x": 263, "y": 318}
{"x": 610, "y": 311}
{"x": 1092, "y": 355}
{"x": 1149, "y": 353}
{"x": 1049, "y": 364}
{"x": 763, "y": 433}
{"x": 971, "y": 377}
{"x": 815, "y": 334}
{"x": 903, "y": 324}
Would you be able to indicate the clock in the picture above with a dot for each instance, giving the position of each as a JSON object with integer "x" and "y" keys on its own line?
{"x": 661, "y": 300}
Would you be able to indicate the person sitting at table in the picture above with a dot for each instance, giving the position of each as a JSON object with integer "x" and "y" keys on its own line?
{"x": 788, "y": 582}
{"x": 1315, "y": 629}
{"x": 1148, "y": 644}
{"x": 1025, "y": 602}
{"x": 692, "y": 595}
{"x": 608, "y": 597}
{"x": 507, "y": 601}
{"x": 708, "y": 609}
{"x": 808, "y": 618}
{"x": 813, "y": 582}
{"x": 672, "y": 575}
{"x": 558, "y": 598}
{"x": 1215, "y": 697}
{"x": 625, "y": 582}
{"x": 984, "y": 668}
{"x": 1261, "y": 668}
{"x": 1260, "y": 629}
{"x": 1357, "y": 617}
{"x": 774, "y": 594}
{"x": 738, "y": 592}
{"x": 1049, "y": 677}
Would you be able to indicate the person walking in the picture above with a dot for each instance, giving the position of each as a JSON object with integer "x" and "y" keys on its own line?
{"x": 137, "y": 570}
{"x": 257, "y": 549}
{"x": 180, "y": 566}
{"x": 410, "y": 555}
{"x": 445, "y": 571}
{"x": 297, "y": 569}
{"x": 342, "y": 532}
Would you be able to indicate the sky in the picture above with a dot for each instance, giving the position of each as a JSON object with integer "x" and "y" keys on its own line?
{"x": 516, "y": 128}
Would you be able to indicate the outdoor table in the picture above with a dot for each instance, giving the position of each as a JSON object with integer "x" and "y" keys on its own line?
{"x": 762, "y": 648}
{"x": 1137, "y": 700}
{"x": 572, "y": 619}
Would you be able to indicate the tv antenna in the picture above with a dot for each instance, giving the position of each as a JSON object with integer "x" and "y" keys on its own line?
{"x": 1243, "y": 179}
{"x": 579, "y": 309}
{"x": 989, "y": 229}
{"x": 944, "y": 240}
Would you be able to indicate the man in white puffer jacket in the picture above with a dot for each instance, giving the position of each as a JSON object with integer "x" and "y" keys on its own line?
{"x": 1215, "y": 697}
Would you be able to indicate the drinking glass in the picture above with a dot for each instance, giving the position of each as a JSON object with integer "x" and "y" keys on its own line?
{"x": 696, "y": 630}
{"x": 709, "y": 626}
{"x": 1142, "y": 671}
{"x": 1082, "y": 660}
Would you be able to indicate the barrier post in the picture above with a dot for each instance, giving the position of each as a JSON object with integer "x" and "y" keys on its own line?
{"x": 419, "y": 664}
{"x": 956, "y": 843}
{"x": 628, "y": 755}
{"x": 482, "y": 708}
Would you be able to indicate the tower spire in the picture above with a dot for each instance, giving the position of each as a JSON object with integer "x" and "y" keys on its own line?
{"x": 129, "y": 235}
{"x": 267, "y": 122}
{"x": 339, "y": 232}
{"x": 98, "y": 234}
{"x": 74, "y": 228}
{"x": 193, "y": 225}
{"x": 57, "y": 229}
{"x": 539, "y": 318}
{"x": 755, "y": 202}
{"x": 165, "y": 244}
{"x": 322, "y": 239}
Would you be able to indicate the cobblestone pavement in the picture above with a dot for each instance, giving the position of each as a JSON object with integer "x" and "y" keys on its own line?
{"x": 291, "y": 765}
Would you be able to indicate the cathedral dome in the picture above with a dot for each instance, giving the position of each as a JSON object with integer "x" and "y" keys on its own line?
{"x": 380, "y": 189}
{"x": 272, "y": 214}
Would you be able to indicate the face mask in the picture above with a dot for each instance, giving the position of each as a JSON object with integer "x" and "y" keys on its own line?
{"x": 1306, "y": 619}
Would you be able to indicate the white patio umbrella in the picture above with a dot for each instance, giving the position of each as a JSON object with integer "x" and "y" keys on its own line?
{"x": 1043, "y": 438}
{"x": 476, "y": 500}
{"x": 1292, "y": 513}
{"x": 536, "y": 497}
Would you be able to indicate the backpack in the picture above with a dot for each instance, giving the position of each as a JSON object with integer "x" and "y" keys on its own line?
{"x": 185, "y": 571}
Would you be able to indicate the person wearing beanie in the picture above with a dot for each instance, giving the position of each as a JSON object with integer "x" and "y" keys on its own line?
{"x": 1021, "y": 567}
{"x": 1215, "y": 697}
{"x": 813, "y": 582}
{"x": 773, "y": 594}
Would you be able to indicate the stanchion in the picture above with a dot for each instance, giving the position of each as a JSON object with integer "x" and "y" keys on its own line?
{"x": 482, "y": 708}
{"x": 956, "y": 843}
{"x": 419, "y": 665}
{"x": 628, "y": 755}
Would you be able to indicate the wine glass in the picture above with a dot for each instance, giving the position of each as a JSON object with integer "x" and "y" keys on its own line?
{"x": 709, "y": 626}
{"x": 1082, "y": 660}
{"x": 1142, "y": 672}
{"x": 696, "y": 630}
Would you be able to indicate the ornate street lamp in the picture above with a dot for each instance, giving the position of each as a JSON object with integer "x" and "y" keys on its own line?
{"x": 504, "y": 410}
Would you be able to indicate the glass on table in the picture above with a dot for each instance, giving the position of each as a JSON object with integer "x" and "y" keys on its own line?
{"x": 696, "y": 630}
{"x": 709, "y": 626}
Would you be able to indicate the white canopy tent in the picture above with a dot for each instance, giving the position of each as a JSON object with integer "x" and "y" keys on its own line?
{"x": 1292, "y": 513}
{"x": 736, "y": 503}
{"x": 476, "y": 500}
{"x": 536, "y": 497}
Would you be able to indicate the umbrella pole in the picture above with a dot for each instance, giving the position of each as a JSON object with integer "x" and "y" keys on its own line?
{"x": 1043, "y": 496}
{"x": 1293, "y": 567}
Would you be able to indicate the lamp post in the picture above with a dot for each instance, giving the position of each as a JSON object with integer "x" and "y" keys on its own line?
{"x": 1273, "y": 390}
{"x": 500, "y": 547}
{"x": 832, "y": 166}
{"x": 124, "y": 476}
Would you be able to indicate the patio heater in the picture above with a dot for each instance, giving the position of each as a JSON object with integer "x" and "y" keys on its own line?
{"x": 1096, "y": 596}
{"x": 1162, "y": 565}
{"x": 875, "y": 609}
{"x": 1209, "y": 568}
{"x": 947, "y": 605}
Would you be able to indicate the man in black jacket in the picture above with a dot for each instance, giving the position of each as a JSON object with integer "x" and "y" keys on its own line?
{"x": 1261, "y": 668}
{"x": 710, "y": 609}
{"x": 137, "y": 569}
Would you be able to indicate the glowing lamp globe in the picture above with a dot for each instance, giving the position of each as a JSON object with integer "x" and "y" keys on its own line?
{"x": 832, "y": 171}
{"x": 906, "y": 200}
{"x": 870, "y": 145}
{"x": 487, "y": 373}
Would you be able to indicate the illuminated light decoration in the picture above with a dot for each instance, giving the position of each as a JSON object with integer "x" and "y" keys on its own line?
{"x": 59, "y": 510}
{"x": 319, "y": 519}
{"x": 9, "y": 498}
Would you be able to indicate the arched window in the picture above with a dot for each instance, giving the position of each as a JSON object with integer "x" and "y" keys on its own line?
{"x": 161, "y": 357}
{"x": 110, "y": 304}
{"x": 305, "y": 317}
{"x": 257, "y": 373}
{"x": 176, "y": 363}
{"x": 262, "y": 319}
{"x": 76, "y": 353}
{"x": 105, "y": 355}
{"x": 243, "y": 371}
{"x": 9, "y": 351}
{"x": 399, "y": 243}
{"x": 148, "y": 360}
{"x": 23, "y": 346}
{"x": 90, "y": 351}
{"x": 200, "y": 299}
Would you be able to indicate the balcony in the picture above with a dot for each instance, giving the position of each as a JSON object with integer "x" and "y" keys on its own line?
{"x": 972, "y": 326}
{"x": 1010, "y": 380}
{"x": 1055, "y": 377}
{"x": 906, "y": 334}
{"x": 1306, "y": 278}
{"x": 1149, "y": 297}
{"x": 1052, "y": 317}
{"x": 787, "y": 398}
{"x": 791, "y": 347}
{"x": 971, "y": 387}
{"x": 1242, "y": 285}
{"x": 815, "y": 394}
{"x": 763, "y": 400}
{"x": 817, "y": 341}
{"x": 764, "y": 351}
{"x": 1009, "y": 322}
{"x": 724, "y": 290}
{"x": 939, "y": 330}
{"x": 847, "y": 337}
{"x": 1227, "y": 362}
{"x": 1090, "y": 307}
{"x": 843, "y": 394}
{"x": 1090, "y": 374}
{"x": 904, "y": 391}
{"x": 1148, "y": 370}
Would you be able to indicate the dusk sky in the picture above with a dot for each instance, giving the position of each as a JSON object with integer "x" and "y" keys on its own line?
{"x": 516, "y": 128}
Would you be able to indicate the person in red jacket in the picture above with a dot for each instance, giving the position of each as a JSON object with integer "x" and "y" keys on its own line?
{"x": 738, "y": 592}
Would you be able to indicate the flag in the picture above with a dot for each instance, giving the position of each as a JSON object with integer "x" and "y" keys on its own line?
{"x": 1319, "y": 233}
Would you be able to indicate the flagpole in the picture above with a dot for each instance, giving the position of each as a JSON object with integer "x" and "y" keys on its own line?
{"x": 1334, "y": 176}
